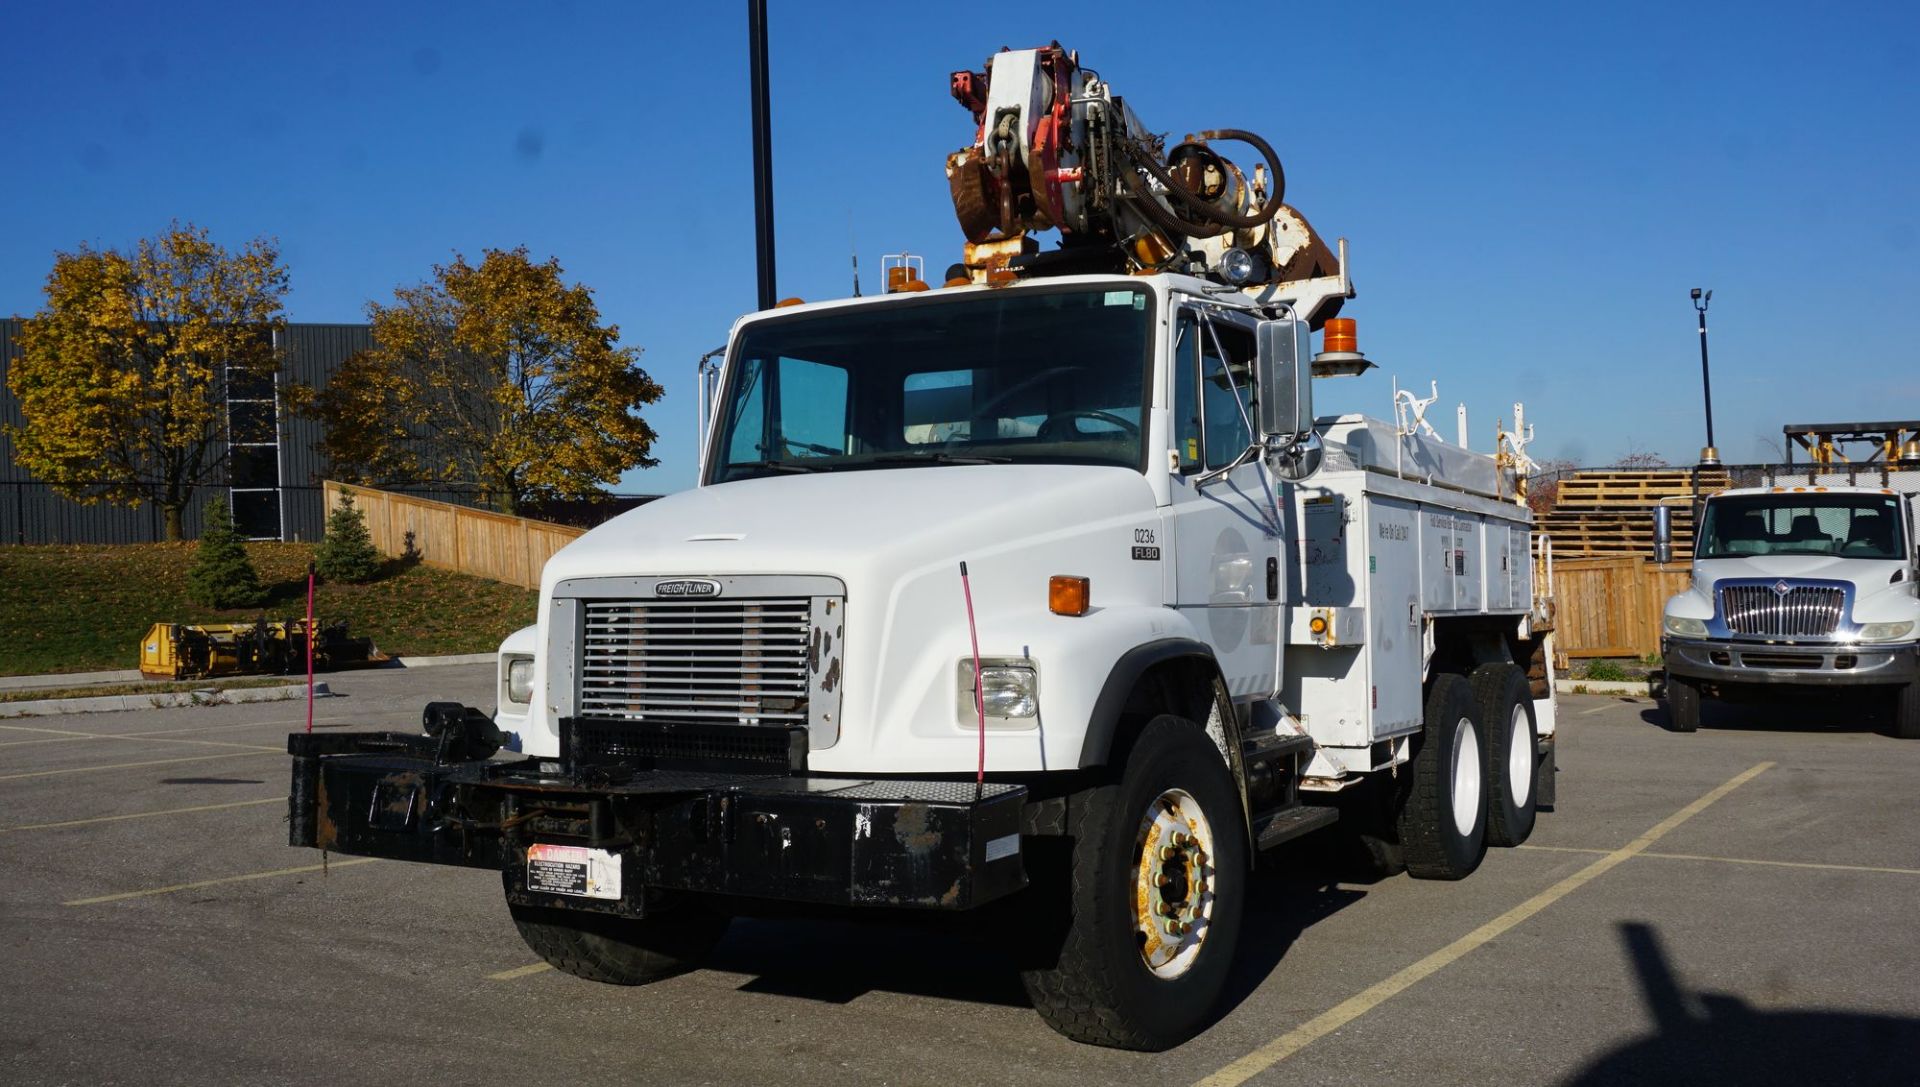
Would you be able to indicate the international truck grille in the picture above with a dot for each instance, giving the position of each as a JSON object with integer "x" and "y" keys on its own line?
{"x": 1802, "y": 611}
{"x": 735, "y": 661}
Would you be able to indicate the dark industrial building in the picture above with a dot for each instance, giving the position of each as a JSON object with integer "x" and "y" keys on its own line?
{"x": 273, "y": 469}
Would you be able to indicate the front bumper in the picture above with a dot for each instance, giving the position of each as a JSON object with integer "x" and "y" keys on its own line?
{"x": 1795, "y": 664}
{"x": 750, "y": 833}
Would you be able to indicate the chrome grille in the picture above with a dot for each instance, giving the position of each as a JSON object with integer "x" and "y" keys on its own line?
{"x": 1803, "y": 611}
{"x": 708, "y": 660}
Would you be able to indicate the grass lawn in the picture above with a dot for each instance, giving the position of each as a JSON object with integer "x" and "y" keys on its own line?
{"x": 84, "y": 608}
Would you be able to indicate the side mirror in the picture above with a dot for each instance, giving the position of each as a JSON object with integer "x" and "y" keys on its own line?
{"x": 1283, "y": 374}
{"x": 1663, "y": 534}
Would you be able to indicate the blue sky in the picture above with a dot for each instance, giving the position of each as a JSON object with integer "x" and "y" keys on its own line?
{"x": 1529, "y": 190}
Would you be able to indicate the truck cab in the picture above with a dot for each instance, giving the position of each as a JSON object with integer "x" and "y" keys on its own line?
{"x": 1798, "y": 588}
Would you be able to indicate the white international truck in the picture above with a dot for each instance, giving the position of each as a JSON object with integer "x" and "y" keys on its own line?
{"x": 1041, "y": 596}
{"x": 1798, "y": 588}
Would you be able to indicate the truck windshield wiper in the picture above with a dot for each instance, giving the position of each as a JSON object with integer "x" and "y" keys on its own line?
{"x": 932, "y": 457}
{"x": 775, "y": 465}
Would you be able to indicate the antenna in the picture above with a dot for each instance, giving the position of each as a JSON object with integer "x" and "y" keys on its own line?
{"x": 853, "y": 251}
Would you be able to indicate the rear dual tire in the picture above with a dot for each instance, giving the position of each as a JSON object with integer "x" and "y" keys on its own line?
{"x": 1443, "y": 820}
{"x": 1504, "y": 700}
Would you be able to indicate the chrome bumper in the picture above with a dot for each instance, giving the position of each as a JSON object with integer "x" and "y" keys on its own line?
{"x": 1799, "y": 665}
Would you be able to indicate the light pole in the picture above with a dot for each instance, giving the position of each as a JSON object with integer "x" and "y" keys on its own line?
{"x": 1709, "y": 455}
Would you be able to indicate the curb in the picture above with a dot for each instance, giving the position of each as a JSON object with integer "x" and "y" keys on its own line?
{"x": 1644, "y": 688}
{"x": 113, "y": 703}
{"x": 68, "y": 679}
{"x": 434, "y": 662}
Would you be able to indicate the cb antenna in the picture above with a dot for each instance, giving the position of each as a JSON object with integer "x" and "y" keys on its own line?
{"x": 853, "y": 251}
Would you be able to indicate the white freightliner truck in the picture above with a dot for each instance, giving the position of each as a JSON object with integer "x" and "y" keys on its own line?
{"x": 1041, "y": 596}
{"x": 1798, "y": 588}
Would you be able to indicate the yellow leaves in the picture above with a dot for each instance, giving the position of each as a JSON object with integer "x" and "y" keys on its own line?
{"x": 499, "y": 374}
{"x": 119, "y": 381}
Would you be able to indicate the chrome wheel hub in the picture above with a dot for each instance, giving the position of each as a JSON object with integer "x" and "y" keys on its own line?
{"x": 1174, "y": 881}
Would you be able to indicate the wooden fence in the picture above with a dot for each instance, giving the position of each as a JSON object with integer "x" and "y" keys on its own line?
{"x": 1611, "y": 607}
{"x": 470, "y": 541}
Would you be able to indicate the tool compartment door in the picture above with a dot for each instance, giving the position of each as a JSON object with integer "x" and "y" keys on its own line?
{"x": 1394, "y": 570}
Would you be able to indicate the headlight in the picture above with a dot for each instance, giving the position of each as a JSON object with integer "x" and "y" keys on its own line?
{"x": 520, "y": 680}
{"x": 1682, "y": 627}
{"x": 1885, "y": 632}
{"x": 1008, "y": 690}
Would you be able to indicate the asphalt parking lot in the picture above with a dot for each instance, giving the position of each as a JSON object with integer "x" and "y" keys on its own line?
{"x": 1737, "y": 905}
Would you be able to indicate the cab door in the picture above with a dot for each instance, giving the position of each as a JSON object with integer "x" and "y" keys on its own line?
{"x": 1223, "y": 517}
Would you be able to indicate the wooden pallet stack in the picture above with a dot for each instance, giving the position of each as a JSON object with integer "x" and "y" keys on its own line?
{"x": 1609, "y": 513}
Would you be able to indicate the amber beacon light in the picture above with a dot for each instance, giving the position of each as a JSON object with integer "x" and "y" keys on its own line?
{"x": 1068, "y": 595}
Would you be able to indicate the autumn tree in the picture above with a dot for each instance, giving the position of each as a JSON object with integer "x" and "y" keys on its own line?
{"x": 499, "y": 374}
{"x": 122, "y": 374}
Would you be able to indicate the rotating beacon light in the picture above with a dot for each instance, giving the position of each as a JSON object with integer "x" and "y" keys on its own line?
{"x": 1340, "y": 354}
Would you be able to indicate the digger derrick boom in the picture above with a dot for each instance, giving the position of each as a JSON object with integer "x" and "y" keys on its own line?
{"x": 1054, "y": 148}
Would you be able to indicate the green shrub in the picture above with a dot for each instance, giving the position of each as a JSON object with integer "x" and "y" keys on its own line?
{"x": 346, "y": 554}
{"x": 222, "y": 576}
{"x": 1605, "y": 670}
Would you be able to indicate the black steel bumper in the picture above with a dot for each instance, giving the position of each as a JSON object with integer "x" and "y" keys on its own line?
{"x": 1797, "y": 665}
{"x": 789, "y": 836}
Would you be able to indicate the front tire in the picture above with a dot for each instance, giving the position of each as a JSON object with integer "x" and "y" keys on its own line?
{"x": 1157, "y": 888}
{"x": 1443, "y": 823}
{"x": 1906, "y": 711}
{"x": 1504, "y": 701}
{"x": 1683, "y": 704}
{"x": 620, "y": 950}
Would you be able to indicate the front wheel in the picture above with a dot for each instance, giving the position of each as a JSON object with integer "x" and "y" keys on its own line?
{"x": 1683, "y": 704}
{"x": 620, "y": 950}
{"x": 1157, "y": 887}
{"x": 1906, "y": 711}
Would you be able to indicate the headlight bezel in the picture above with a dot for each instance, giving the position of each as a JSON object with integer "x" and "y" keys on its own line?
{"x": 509, "y": 684}
{"x": 1010, "y": 691}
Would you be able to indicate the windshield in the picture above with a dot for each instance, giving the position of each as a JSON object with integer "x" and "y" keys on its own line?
{"x": 1029, "y": 376}
{"x": 1865, "y": 526}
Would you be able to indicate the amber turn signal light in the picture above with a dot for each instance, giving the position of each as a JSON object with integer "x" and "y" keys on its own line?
{"x": 1068, "y": 595}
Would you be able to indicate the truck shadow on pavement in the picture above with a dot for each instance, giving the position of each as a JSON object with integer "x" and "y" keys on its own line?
{"x": 1717, "y": 1038}
{"x": 837, "y": 962}
{"x": 1786, "y": 712}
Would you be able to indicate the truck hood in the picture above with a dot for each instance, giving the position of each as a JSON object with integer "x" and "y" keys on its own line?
{"x": 840, "y": 523}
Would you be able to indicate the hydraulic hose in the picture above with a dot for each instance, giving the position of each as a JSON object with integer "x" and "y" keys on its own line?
{"x": 1206, "y": 209}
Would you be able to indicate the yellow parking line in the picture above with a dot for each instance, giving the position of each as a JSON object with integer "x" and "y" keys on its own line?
{"x": 519, "y": 972}
{"x": 1378, "y": 993}
{"x": 143, "y": 815}
{"x": 150, "y": 762}
{"x": 70, "y": 737}
{"x": 54, "y": 731}
{"x": 196, "y": 884}
{"x": 141, "y": 739}
{"x": 1785, "y": 864}
{"x": 1738, "y": 860}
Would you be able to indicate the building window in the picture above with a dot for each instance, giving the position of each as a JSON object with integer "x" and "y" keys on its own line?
{"x": 253, "y": 454}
